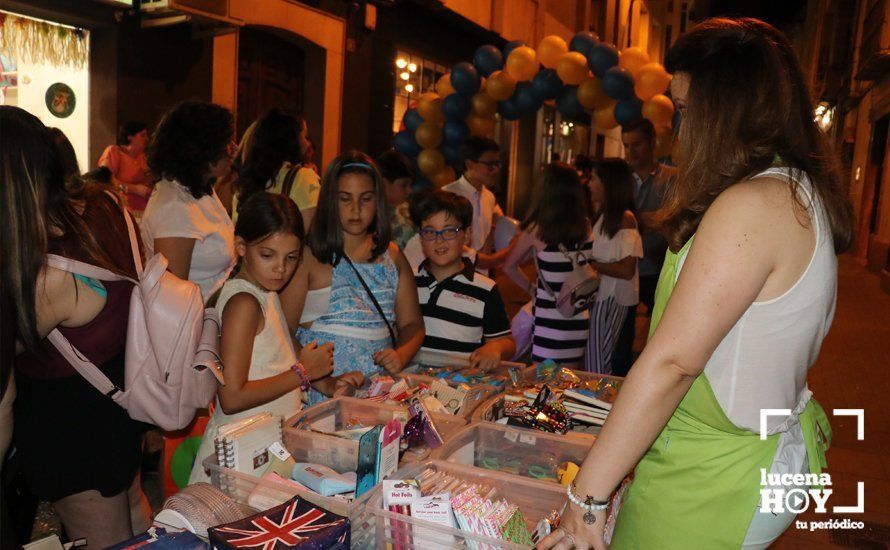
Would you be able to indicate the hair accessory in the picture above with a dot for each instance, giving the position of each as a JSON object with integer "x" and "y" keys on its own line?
{"x": 364, "y": 165}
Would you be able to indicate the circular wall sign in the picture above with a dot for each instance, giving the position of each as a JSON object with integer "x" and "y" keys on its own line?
{"x": 60, "y": 100}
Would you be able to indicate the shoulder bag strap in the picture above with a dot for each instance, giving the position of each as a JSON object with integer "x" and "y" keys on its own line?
{"x": 392, "y": 334}
{"x": 542, "y": 278}
{"x": 289, "y": 179}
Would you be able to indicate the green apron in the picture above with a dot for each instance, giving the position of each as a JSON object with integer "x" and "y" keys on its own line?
{"x": 698, "y": 486}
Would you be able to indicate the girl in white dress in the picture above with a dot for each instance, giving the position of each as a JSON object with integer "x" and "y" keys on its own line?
{"x": 262, "y": 371}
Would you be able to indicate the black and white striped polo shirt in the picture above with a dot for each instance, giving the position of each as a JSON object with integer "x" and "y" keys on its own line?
{"x": 461, "y": 312}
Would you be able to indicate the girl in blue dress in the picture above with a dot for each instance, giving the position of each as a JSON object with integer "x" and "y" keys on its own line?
{"x": 354, "y": 289}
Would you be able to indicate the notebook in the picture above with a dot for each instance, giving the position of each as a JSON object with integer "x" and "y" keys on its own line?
{"x": 244, "y": 447}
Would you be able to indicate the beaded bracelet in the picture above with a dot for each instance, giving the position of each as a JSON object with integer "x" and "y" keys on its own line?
{"x": 304, "y": 376}
{"x": 589, "y": 505}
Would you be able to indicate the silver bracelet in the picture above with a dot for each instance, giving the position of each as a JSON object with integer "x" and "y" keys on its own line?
{"x": 589, "y": 505}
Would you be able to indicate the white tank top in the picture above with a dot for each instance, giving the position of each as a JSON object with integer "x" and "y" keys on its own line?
{"x": 762, "y": 363}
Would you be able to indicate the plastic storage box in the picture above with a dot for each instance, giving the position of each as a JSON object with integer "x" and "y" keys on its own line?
{"x": 535, "y": 499}
{"x": 304, "y": 439}
{"x": 254, "y": 494}
{"x": 492, "y": 409}
{"x": 514, "y": 451}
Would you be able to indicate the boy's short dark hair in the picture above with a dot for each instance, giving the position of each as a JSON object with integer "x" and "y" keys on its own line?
{"x": 645, "y": 125}
{"x": 394, "y": 165}
{"x": 476, "y": 146}
{"x": 427, "y": 203}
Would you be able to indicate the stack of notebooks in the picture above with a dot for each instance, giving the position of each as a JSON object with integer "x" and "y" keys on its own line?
{"x": 243, "y": 445}
{"x": 585, "y": 407}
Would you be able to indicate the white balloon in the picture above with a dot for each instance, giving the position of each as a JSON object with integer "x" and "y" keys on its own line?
{"x": 504, "y": 231}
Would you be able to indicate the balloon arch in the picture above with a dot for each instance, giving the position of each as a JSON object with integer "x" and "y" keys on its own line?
{"x": 582, "y": 76}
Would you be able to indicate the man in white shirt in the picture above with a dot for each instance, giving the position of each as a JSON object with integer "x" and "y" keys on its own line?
{"x": 482, "y": 166}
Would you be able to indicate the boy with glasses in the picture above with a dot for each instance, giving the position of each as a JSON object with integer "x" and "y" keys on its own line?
{"x": 463, "y": 312}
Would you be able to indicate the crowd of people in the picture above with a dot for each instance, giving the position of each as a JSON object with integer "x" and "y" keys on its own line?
{"x": 322, "y": 281}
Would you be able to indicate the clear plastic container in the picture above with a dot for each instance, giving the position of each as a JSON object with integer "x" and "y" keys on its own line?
{"x": 254, "y": 494}
{"x": 514, "y": 451}
{"x": 535, "y": 499}
{"x": 493, "y": 409}
{"x": 304, "y": 439}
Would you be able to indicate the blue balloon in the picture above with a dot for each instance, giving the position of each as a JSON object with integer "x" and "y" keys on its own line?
{"x": 488, "y": 59}
{"x": 547, "y": 85}
{"x": 465, "y": 78}
{"x": 405, "y": 143}
{"x": 412, "y": 119}
{"x": 602, "y": 58}
{"x": 618, "y": 83}
{"x": 455, "y": 131}
{"x": 509, "y": 109}
{"x": 456, "y": 107}
{"x": 525, "y": 98}
{"x": 584, "y": 42}
{"x": 568, "y": 103}
{"x": 512, "y": 46}
{"x": 451, "y": 154}
{"x": 628, "y": 111}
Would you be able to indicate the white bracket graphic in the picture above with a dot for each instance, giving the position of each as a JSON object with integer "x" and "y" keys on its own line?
{"x": 860, "y": 420}
{"x": 766, "y": 413}
{"x": 860, "y": 502}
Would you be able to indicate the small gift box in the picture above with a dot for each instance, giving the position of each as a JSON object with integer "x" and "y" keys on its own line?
{"x": 295, "y": 524}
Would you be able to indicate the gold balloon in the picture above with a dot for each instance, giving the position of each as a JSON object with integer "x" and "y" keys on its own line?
{"x": 443, "y": 177}
{"x": 483, "y": 105}
{"x": 443, "y": 86}
{"x": 500, "y": 85}
{"x": 604, "y": 118}
{"x": 428, "y": 135}
{"x": 633, "y": 59}
{"x": 551, "y": 49}
{"x": 572, "y": 68}
{"x": 429, "y": 106}
{"x": 659, "y": 109}
{"x": 591, "y": 94}
{"x": 664, "y": 142}
{"x": 522, "y": 64}
{"x": 480, "y": 126}
{"x": 650, "y": 80}
{"x": 430, "y": 162}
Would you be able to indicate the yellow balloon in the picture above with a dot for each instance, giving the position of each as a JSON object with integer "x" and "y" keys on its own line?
{"x": 591, "y": 94}
{"x": 659, "y": 109}
{"x": 650, "y": 80}
{"x": 604, "y": 118}
{"x": 480, "y": 126}
{"x": 633, "y": 59}
{"x": 500, "y": 85}
{"x": 430, "y": 162}
{"x": 483, "y": 105}
{"x": 572, "y": 68}
{"x": 443, "y": 177}
{"x": 428, "y": 135}
{"x": 429, "y": 106}
{"x": 522, "y": 64}
{"x": 443, "y": 86}
{"x": 551, "y": 49}
{"x": 664, "y": 142}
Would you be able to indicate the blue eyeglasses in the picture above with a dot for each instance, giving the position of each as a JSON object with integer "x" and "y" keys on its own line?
{"x": 431, "y": 235}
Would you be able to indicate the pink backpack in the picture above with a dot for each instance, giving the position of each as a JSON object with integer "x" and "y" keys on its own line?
{"x": 172, "y": 358}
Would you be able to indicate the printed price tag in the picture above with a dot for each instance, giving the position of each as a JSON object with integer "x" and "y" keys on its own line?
{"x": 278, "y": 450}
{"x": 527, "y": 439}
{"x": 511, "y": 435}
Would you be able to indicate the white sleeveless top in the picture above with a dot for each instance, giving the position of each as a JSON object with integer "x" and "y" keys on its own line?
{"x": 273, "y": 354}
{"x": 763, "y": 361}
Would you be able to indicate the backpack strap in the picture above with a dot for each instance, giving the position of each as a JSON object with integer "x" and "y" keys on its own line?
{"x": 131, "y": 233}
{"x": 82, "y": 365}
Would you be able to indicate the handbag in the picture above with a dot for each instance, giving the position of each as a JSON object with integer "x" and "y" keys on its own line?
{"x": 578, "y": 292}
{"x": 392, "y": 333}
{"x": 172, "y": 364}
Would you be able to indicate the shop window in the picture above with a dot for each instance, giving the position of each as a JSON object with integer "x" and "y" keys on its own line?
{"x": 414, "y": 75}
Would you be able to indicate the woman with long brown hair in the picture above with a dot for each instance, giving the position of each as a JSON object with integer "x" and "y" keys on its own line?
{"x": 739, "y": 316}
{"x": 79, "y": 449}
